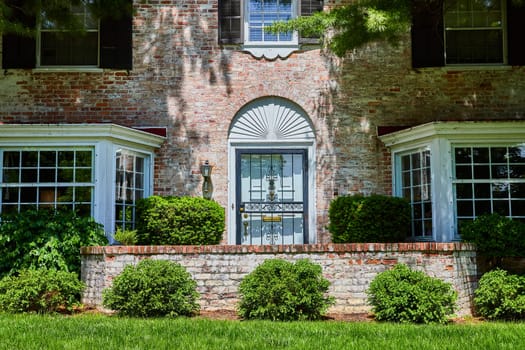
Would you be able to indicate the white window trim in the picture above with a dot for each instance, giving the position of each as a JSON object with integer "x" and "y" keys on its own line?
{"x": 269, "y": 49}
{"x": 105, "y": 139}
{"x": 440, "y": 137}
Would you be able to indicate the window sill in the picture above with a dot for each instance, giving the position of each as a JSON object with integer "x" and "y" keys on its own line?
{"x": 65, "y": 69}
{"x": 270, "y": 52}
{"x": 476, "y": 67}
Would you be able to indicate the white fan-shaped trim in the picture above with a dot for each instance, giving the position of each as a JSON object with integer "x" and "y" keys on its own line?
{"x": 271, "y": 119}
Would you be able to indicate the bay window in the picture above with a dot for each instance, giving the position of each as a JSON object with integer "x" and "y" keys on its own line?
{"x": 98, "y": 170}
{"x": 452, "y": 172}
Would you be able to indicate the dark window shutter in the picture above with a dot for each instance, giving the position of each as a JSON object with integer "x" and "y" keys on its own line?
{"x": 516, "y": 34}
{"x": 427, "y": 35}
{"x": 19, "y": 51}
{"x": 230, "y": 22}
{"x": 116, "y": 43}
{"x": 308, "y": 7}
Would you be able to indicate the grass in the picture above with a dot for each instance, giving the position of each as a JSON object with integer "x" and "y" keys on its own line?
{"x": 105, "y": 332}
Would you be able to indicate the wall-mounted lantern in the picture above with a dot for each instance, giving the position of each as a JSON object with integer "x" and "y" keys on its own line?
{"x": 207, "y": 186}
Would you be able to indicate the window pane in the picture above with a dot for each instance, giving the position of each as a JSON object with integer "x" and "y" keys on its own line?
{"x": 498, "y": 154}
{"x": 501, "y": 207}
{"x": 11, "y": 159}
{"x": 518, "y": 207}
{"x": 28, "y": 194}
{"x": 83, "y": 158}
{"x": 47, "y": 175}
{"x": 48, "y": 159}
{"x": 463, "y": 191}
{"x": 482, "y": 207}
{"x": 465, "y": 208}
{"x": 463, "y": 172}
{"x": 517, "y": 154}
{"x": 29, "y": 159}
{"x": 500, "y": 190}
{"x": 481, "y": 172}
{"x": 29, "y": 175}
{"x": 482, "y": 190}
{"x": 11, "y": 176}
{"x": 462, "y": 155}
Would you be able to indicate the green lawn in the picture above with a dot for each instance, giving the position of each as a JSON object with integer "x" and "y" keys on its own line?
{"x": 104, "y": 332}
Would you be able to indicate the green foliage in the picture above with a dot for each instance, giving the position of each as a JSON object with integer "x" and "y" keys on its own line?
{"x": 500, "y": 296}
{"x": 179, "y": 221}
{"x": 495, "y": 235}
{"x": 41, "y": 291}
{"x": 376, "y": 218}
{"x": 126, "y": 237}
{"x": 405, "y": 295}
{"x": 281, "y": 290}
{"x": 353, "y": 25}
{"x": 153, "y": 288}
{"x": 45, "y": 239}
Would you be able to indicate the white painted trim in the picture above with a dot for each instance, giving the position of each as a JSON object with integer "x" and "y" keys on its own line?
{"x": 78, "y": 133}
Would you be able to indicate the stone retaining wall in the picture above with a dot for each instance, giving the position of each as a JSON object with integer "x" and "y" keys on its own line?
{"x": 350, "y": 268}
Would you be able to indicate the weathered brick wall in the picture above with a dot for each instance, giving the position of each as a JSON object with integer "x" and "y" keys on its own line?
{"x": 350, "y": 268}
{"x": 184, "y": 81}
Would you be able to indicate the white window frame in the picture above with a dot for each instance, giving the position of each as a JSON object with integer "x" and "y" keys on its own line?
{"x": 502, "y": 27}
{"x": 268, "y": 49}
{"x": 39, "y": 64}
{"x": 40, "y": 187}
{"x": 400, "y": 190}
{"x": 105, "y": 139}
{"x": 441, "y": 138}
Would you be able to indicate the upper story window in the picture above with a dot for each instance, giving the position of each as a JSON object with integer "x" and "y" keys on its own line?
{"x": 104, "y": 43}
{"x": 58, "y": 47}
{"x": 468, "y": 32}
{"x": 261, "y": 14}
{"x": 474, "y": 31}
{"x": 244, "y": 22}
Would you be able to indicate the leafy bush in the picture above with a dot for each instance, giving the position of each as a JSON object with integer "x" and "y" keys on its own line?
{"x": 495, "y": 235}
{"x": 281, "y": 290}
{"x": 500, "y": 295}
{"x": 41, "y": 291}
{"x": 153, "y": 288}
{"x": 126, "y": 237}
{"x": 45, "y": 239}
{"x": 376, "y": 218}
{"x": 405, "y": 295}
{"x": 179, "y": 221}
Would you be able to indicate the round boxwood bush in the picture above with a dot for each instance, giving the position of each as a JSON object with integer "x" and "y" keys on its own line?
{"x": 179, "y": 221}
{"x": 500, "y": 296}
{"x": 281, "y": 290}
{"x": 153, "y": 288}
{"x": 405, "y": 295}
{"x": 376, "y": 218}
{"x": 40, "y": 291}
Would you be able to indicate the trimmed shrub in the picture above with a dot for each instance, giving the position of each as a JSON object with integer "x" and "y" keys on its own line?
{"x": 46, "y": 239}
{"x": 404, "y": 295}
{"x": 500, "y": 296}
{"x": 376, "y": 218}
{"x": 495, "y": 235}
{"x": 153, "y": 288}
{"x": 179, "y": 221}
{"x": 40, "y": 291}
{"x": 281, "y": 290}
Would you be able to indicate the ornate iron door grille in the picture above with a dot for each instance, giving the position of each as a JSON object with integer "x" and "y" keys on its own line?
{"x": 272, "y": 197}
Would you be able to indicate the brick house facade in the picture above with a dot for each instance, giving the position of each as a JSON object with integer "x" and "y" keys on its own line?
{"x": 383, "y": 119}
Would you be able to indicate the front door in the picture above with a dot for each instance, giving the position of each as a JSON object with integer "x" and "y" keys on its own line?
{"x": 271, "y": 196}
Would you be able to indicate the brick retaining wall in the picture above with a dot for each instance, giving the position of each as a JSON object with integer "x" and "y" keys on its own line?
{"x": 219, "y": 269}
